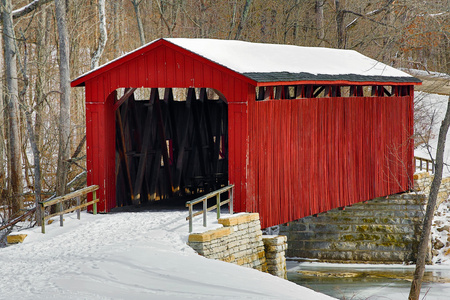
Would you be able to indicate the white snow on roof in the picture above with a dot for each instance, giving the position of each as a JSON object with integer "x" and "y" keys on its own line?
{"x": 246, "y": 57}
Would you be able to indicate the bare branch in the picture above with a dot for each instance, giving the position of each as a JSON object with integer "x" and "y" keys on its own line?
{"x": 369, "y": 14}
{"x": 28, "y": 8}
{"x": 353, "y": 23}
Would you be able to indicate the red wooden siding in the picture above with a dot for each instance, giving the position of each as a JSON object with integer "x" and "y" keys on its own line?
{"x": 311, "y": 155}
{"x": 287, "y": 158}
{"x": 100, "y": 151}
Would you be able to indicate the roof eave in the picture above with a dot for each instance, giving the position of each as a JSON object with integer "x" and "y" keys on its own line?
{"x": 334, "y": 82}
{"x": 287, "y": 78}
{"x": 80, "y": 81}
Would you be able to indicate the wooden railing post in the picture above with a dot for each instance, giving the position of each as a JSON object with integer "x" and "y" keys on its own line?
{"x": 205, "y": 207}
{"x": 429, "y": 165}
{"x": 218, "y": 206}
{"x": 94, "y": 207}
{"x": 204, "y": 200}
{"x": 190, "y": 218}
{"x": 231, "y": 201}
{"x": 59, "y": 201}
{"x": 42, "y": 208}
{"x": 78, "y": 210}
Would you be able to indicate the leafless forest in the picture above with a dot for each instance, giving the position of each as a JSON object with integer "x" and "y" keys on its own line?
{"x": 47, "y": 43}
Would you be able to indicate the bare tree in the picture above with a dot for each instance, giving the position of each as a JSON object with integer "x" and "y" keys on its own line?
{"x": 64, "y": 112}
{"x": 170, "y": 22}
{"x": 340, "y": 26}
{"x": 103, "y": 35}
{"x": 243, "y": 19}
{"x": 115, "y": 19}
{"x": 136, "y": 4}
{"x": 12, "y": 100}
{"x": 2, "y": 119}
{"x": 434, "y": 189}
{"x": 431, "y": 206}
{"x": 319, "y": 19}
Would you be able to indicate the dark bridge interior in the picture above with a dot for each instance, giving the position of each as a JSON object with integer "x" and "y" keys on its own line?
{"x": 173, "y": 144}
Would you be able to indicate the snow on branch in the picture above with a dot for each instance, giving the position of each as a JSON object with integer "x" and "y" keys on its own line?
{"x": 28, "y": 8}
{"x": 369, "y": 14}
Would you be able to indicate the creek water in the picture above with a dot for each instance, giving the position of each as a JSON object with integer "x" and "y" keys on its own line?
{"x": 369, "y": 282}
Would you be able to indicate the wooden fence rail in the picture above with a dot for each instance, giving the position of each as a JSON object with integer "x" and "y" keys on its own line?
{"x": 419, "y": 162}
{"x": 74, "y": 195}
{"x": 204, "y": 200}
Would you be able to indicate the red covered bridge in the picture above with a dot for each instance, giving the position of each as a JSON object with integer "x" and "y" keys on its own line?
{"x": 298, "y": 130}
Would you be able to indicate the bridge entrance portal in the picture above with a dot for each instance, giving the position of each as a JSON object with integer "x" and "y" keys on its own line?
{"x": 170, "y": 142}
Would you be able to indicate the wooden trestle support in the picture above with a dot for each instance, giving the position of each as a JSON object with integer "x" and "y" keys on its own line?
{"x": 167, "y": 148}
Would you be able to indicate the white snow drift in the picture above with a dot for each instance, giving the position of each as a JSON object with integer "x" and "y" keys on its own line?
{"x": 128, "y": 256}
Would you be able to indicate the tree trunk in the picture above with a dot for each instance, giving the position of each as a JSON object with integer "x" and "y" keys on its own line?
{"x": 37, "y": 166}
{"x": 434, "y": 190}
{"x": 340, "y": 27}
{"x": 116, "y": 5}
{"x": 233, "y": 19}
{"x": 64, "y": 108}
{"x": 103, "y": 35}
{"x": 36, "y": 134}
{"x": 319, "y": 19}
{"x": 243, "y": 19}
{"x": 2, "y": 119}
{"x": 139, "y": 20}
{"x": 12, "y": 100}
{"x": 42, "y": 72}
{"x": 416, "y": 284}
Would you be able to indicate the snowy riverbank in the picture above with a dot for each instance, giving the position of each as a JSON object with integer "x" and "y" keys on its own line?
{"x": 128, "y": 256}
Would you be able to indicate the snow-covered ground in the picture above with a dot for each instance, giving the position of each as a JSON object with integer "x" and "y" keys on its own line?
{"x": 129, "y": 255}
{"x": 441, "y": 234}
{"x": 431, "y": 108}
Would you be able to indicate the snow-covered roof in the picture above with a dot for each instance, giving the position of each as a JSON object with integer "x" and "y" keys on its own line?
{"x": 284, "y": 63}
{"x": 274, "y": 62}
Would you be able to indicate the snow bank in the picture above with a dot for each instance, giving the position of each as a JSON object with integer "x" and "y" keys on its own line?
{"x": 129, "y": 255}
{"x": 433, "y": 109}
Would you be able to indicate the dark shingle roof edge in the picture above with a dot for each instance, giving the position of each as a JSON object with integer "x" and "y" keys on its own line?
{"x": 287, "y": 76}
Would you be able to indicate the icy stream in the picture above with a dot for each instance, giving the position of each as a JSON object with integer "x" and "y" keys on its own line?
{"x": 358, "y": 282}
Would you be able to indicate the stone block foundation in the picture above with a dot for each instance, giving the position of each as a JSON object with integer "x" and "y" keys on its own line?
{"x": 275, "y": 247}
{"x": 240, "y": 241}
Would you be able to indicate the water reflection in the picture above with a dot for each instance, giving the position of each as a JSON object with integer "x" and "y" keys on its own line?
{"x": 369, "y": 281}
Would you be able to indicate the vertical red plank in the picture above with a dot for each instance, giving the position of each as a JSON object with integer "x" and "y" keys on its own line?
{"x": 254, "y": 151}
{"x": 180, "y": 77}
{"x": 169, "y": 67}
{"x": 189, "y": 72}
{"x": 198, "y": 75}
{"x": 237, "y": 151}
{"x": 141, "y": 73}
{"x": 162, "y": 70}
{"x": 208, "y": 77}
{"x": 91, "y": 147}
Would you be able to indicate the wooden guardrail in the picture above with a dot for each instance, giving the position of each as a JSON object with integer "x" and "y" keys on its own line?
{"x": 429, "y": 166}
{"x": 74, "y": 195}
{"x": 204, "y": 200}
